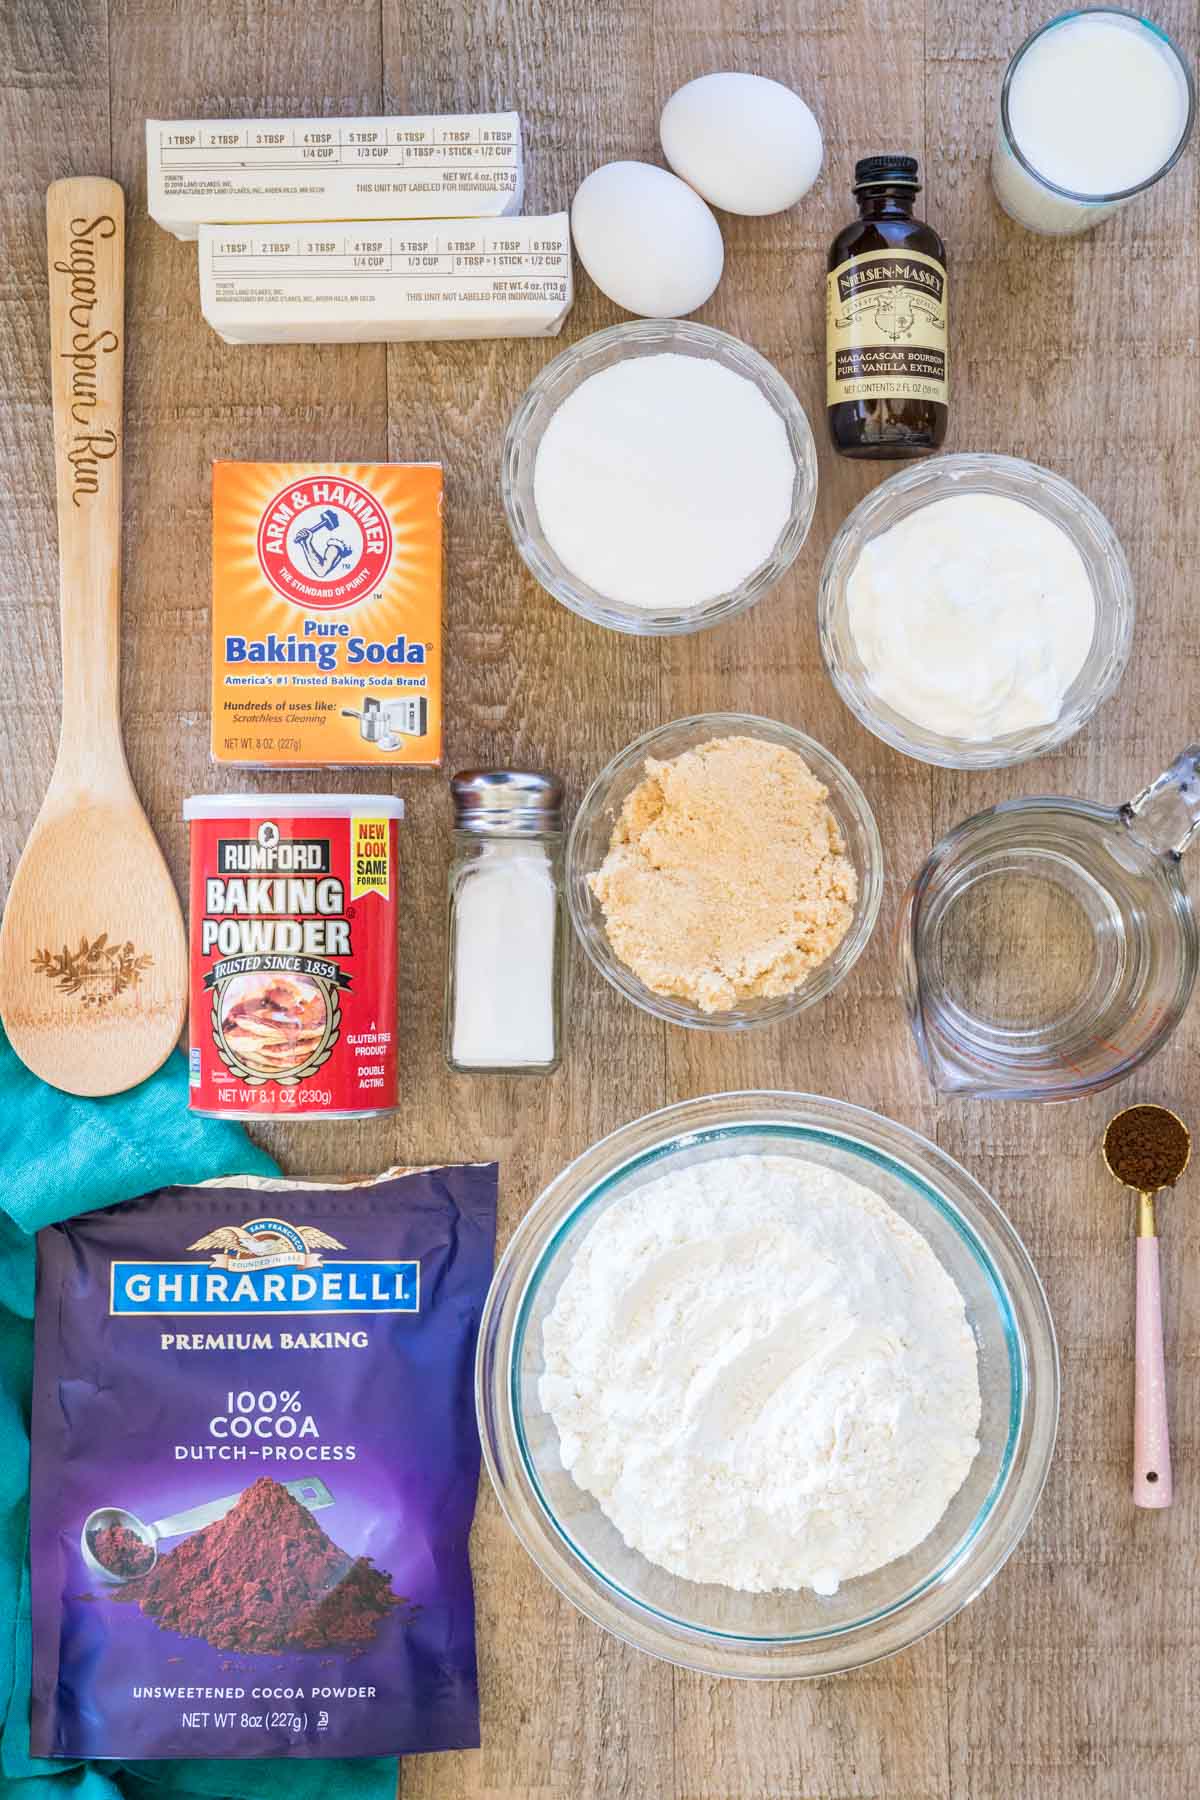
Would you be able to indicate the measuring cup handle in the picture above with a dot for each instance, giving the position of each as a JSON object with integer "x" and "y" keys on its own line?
{"x": 1165, "y": 817}
{"x": 1151, "y": 1435}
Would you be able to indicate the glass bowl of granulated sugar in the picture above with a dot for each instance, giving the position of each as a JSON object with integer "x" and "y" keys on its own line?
{"x": 767, "y": 1385}
{"x": 659, "y": 477}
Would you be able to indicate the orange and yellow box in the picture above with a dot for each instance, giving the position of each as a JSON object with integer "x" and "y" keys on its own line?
{"x": 327, "y": 614}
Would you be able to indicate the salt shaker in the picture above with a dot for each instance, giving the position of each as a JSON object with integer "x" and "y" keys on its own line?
{"x": 508, "y": 930}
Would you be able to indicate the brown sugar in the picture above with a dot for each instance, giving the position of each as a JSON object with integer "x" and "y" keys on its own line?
{"x": 265, "y": 1577}
{"x": 726, "y": 878}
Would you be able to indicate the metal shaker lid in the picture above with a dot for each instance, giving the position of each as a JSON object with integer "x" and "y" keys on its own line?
{"x": 506, "y": 802}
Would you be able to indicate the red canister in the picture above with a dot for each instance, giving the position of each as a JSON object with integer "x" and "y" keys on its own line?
{"x": 293, "y": 954}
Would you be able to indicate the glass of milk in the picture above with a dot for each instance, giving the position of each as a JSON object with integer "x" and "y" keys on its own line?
{"x": 1095, "y": 107}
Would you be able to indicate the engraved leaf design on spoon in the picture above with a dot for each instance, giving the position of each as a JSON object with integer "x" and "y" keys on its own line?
{"x": 98, "y": 971}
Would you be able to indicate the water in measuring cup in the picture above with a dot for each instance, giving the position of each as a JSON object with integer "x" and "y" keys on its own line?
{"x": 1044, "y": 951}
{"x": 1018, "y": 951}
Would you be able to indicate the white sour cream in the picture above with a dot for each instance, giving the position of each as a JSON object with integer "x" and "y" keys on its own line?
{"x": 972, "y": 616}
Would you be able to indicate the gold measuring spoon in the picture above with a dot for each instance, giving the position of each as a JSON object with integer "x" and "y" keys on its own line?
{"x": 1147, "y": 1149}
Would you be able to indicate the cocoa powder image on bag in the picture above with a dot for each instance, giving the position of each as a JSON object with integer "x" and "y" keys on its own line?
{"x": 120, "y": 1550}
{"x": 265, "y": 1578}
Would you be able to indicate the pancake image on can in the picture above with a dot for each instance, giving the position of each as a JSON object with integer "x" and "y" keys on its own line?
{"x": 275, "y": 1024}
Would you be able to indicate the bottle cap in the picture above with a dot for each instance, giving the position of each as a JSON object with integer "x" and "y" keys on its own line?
{"x": 506, "y": 802}
{"x": 886, "y": 171}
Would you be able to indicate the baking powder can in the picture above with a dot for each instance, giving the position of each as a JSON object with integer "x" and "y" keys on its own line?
{"x": 293, "y": 955}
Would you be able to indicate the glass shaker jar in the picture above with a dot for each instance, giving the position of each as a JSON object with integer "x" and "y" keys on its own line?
{"x": 507, "y": 954}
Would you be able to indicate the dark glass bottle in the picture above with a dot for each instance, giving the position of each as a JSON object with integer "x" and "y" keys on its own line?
{"x": 885, "y": 332}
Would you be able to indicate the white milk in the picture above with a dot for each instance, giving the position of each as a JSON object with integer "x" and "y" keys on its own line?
{"x": 1097, "y": 104}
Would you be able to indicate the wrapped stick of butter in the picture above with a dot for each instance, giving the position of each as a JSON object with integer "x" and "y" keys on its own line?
{"x": 362, "y": 282}
{"x": 242, "y": 171}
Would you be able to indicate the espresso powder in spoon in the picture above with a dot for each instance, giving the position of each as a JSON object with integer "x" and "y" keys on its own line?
{"x": 1146, "y": 1148}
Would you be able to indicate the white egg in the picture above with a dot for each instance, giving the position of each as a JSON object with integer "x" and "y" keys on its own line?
{"x": 646, "y": 239}
{"x": 749, "y": 145}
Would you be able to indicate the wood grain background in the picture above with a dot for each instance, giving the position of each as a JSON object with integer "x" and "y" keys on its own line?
{"x": 1076, "y": 1673}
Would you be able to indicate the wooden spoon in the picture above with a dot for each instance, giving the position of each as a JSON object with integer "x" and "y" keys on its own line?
{"x": 93, "y": 964}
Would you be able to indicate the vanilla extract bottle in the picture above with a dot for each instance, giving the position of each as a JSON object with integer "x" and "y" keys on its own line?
{"x": 886, "y": 357}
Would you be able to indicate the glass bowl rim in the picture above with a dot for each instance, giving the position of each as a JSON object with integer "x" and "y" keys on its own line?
{"x": 560, "y": 582}
{"x": 828, "y": 975}
{"x": 975, "y": 471}
{"x": 1030, "y": 1342}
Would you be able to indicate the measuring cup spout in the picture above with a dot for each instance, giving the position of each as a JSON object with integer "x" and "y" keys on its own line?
{"x": 1165, "y": 817}
{"x": 948, "y": 1073}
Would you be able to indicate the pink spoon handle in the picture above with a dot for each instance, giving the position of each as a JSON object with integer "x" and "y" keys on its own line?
{"x": 1151, "y": 1436}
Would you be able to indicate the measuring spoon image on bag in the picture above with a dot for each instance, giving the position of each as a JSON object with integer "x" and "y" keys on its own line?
{"x": 1048, "y": 946}
{"x": 118, "y": 1547}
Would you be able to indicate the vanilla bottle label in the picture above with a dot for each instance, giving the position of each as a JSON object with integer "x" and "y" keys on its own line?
{"x": 886, "y": 328}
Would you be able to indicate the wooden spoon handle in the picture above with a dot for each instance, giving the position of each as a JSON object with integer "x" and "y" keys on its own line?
{"x": 85, "y": 235}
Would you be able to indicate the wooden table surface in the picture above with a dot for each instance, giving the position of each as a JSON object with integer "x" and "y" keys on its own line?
{"x": 1076, "y": 1672}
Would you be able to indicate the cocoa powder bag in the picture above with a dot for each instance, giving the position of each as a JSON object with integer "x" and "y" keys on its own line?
{"x": 254, "y": 1466}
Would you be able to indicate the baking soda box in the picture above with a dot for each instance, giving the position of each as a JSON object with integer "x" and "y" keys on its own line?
{"x": 327, "y": 614}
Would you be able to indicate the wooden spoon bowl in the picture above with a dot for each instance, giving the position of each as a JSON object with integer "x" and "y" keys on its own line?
{"x": 93, "y": 958}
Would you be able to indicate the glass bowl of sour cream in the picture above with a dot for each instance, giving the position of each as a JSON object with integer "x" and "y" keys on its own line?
{"x": 737, "y": 1331}
{"x": 975, "y": 610}
{"x": 658, "y": 477}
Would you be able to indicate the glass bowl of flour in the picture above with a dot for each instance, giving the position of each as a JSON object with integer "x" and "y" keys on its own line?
{"x": 659, "y": 477}
{"x": 975, "y": 610}
{"x": 767, "y": 1385}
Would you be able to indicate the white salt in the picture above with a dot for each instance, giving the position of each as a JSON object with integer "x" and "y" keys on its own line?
{"x": 504, "y": 952}
{"x": 664, "y": 481}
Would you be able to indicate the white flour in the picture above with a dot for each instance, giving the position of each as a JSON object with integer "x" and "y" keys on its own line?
{"x": 763, "y": 1374}
{"x": 664, "y": 481}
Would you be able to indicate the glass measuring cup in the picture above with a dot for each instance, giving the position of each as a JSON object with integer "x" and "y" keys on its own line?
{"x": 1048, "y": 946}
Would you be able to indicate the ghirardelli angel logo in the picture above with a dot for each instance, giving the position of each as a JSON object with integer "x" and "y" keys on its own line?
{"x": 267, "y": 1244}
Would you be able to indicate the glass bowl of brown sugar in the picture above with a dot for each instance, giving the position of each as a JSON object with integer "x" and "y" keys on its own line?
{"x": 711, "y": 888}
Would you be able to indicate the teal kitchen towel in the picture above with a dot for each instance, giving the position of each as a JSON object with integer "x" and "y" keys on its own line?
{"x": 60, "y": 1156}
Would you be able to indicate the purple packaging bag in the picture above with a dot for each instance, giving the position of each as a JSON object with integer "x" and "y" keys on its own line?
{"x": 254, "y": 1466}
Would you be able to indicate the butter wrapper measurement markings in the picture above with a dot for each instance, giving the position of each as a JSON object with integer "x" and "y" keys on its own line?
{"x": 253, "y": 1469}
{"x": 348, "y": 283}
{"x": 242, "y": 171}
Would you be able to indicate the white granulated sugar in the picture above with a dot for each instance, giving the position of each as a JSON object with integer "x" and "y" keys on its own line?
{"x": 763, "y": 1374}
{"x": 664, "y": 481}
